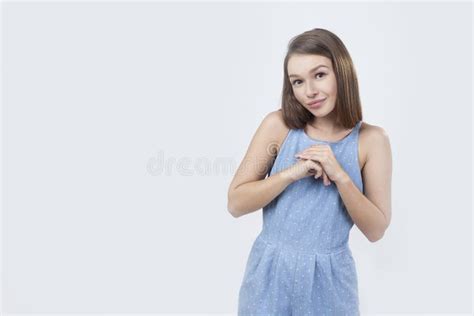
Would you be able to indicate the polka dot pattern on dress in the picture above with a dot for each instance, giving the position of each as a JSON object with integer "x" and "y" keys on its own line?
{"x": 301, "y": 263}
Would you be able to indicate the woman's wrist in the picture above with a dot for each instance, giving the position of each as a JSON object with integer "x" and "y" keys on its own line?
{"x": 286, "y": 175}
{"x": 342, "y": 178}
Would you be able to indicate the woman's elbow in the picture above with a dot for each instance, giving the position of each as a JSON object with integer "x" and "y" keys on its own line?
{"x": 232, "y": 211}
{"x": 231, "y": 207}
{"x": 376, "y": 236}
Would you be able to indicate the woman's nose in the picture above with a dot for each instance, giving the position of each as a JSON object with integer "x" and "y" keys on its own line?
{"x": 311, "y": 91}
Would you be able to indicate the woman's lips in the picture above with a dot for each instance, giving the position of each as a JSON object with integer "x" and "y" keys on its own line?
{"x": 317, "y": 104}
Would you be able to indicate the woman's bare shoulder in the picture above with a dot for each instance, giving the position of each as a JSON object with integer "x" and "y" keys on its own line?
{"x": 276, "y": 124}
{"x": 369, "y": 136}
{"x": 370, "y": 131}
{"x": 262, "y": 150}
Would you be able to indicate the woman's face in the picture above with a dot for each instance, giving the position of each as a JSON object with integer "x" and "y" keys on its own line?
{"x": 312, "y": 78}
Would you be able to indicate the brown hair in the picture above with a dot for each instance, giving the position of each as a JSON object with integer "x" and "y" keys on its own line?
{"x": 319, "y": 41}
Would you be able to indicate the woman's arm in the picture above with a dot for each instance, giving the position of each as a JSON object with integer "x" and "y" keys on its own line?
{"x": 252, "y": 196}
{"x": 249, "y": 190}
{"x": 371, "y": 211}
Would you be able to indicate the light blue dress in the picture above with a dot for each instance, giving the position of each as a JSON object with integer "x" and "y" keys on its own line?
{"x": 301, "y": 263}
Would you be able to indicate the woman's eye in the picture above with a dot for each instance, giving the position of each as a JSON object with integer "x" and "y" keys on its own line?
{"x": 319, "y": 73}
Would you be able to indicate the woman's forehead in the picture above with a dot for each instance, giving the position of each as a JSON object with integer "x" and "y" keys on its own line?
{"x": 299, "y": 64}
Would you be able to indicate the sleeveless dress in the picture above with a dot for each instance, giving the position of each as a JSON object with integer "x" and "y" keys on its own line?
{"x": 301, "y": 263}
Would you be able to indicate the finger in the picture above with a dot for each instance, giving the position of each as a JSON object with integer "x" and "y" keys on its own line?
{"x": 319, "y": 170}
{"x": 312, "y": 155}
{"x": 315, "y": 158}
{"x": 326, "y": 179}
{"x": 315, "y": 169}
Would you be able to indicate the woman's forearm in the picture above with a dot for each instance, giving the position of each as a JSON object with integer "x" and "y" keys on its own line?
{"x": 368, "y": 218}
{"x": 252, "y": 196}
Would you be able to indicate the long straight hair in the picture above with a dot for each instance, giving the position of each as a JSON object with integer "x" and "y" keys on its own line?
{"x": 322, "y": 42}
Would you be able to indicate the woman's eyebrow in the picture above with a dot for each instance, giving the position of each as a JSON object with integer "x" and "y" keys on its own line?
{"x": 310, "y": 70}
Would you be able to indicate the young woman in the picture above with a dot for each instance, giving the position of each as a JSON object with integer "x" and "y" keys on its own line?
{"x": 326, "y": 171}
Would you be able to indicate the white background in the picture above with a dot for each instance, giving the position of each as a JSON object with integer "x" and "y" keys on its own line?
{"x": 98, "y": 96}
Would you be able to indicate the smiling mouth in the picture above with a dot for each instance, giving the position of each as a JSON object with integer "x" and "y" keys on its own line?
{"x": 316, "y": 103}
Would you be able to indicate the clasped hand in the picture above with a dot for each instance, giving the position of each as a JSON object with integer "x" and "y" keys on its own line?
{"x": 323, "y": 154}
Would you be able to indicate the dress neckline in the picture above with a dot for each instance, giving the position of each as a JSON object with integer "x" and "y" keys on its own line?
{"x": 331, "y": 142}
